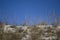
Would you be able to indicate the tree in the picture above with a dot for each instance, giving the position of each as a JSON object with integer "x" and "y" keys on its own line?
{"x": 55, "y": 18}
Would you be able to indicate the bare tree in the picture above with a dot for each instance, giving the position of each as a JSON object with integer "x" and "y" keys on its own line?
{"x": 43, "y": 23}
{"x": 25, "y": 22}
{"x": 55, "y": 20}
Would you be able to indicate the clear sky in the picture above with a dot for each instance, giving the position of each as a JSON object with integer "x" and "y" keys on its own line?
{"x": 32, "y": 10}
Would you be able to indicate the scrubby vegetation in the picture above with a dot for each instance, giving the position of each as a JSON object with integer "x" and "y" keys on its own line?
{"x": 34, "y": 32}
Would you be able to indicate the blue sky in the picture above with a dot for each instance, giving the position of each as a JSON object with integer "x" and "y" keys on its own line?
{"x": 32, "y": 10}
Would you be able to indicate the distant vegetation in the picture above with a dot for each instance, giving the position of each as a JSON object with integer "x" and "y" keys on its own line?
{"x": 36, "y": 33}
